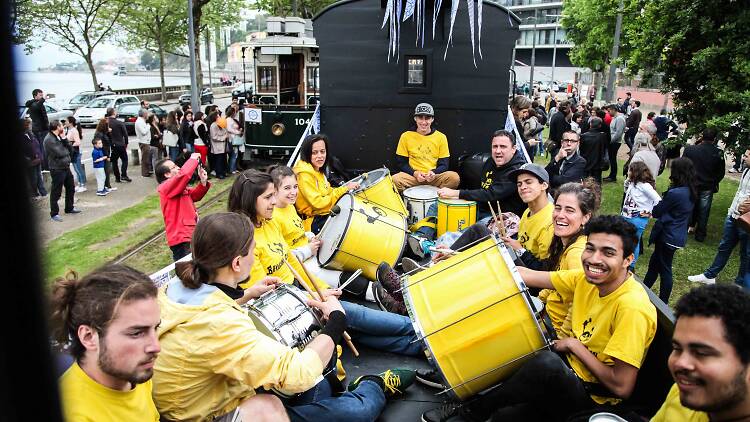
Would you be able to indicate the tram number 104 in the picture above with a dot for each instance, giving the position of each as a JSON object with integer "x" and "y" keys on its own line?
{"x": 301, "y": 121}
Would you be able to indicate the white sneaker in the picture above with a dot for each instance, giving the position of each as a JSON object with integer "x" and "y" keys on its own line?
{"x": 83, "y": 188}
{"x": 701, "y": 278}
{"x": 112, "y": 189}
{"x": 78, "y": 189}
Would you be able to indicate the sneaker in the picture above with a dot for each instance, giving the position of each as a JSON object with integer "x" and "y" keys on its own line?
{"x": 386, "y": 301}
{"x": 78, "y": 189}
{"x": 394, "y": 381}
{"x": 102, "y": 193}
{"x": 83, "y": 188}
{"x": 73, "y": 211}
{"x": 112, "y": 189}
{"x": 442, "y": 413}
{"x": 411, "y": 266}
{"x": 389, "y": 278}
{"x": 733, "y": 170}
{"x": 430, "y": 378}
{"x": 57, "y": 218}
{"x": 127, "y": 179}
{"x": 415, "y": 245}
{"x": 701, "y": 278}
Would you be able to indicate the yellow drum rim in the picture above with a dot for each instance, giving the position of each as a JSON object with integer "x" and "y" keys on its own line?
{"x": 457, "y": 203}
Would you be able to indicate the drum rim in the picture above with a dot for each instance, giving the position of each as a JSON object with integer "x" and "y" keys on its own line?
{"x": 341, "y": 238}
{"x": 378, "y": 180}
{"x": 288, "y": 288}
{"x": 405, "y": 193}
{"x": 465, "y": 203}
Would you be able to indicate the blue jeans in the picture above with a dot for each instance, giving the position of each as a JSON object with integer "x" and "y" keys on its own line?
{"x": 318, "y": 404}
{"x": 233, "y": 154}
{"x": 78, "y": 168}
{"x": 381, "y": 330}
{"x": 174, "y": 152}
{"x": 640, "y": 224}
{"x": 700, "y": 214}
{"x": 729, "y": 239}
{"x": 660, "y": 265}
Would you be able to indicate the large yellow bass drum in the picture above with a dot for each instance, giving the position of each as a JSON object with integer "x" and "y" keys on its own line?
{"x": 377, "y": 186}
{"x": 475, "y": 316}
{"x": 361, "y": 234}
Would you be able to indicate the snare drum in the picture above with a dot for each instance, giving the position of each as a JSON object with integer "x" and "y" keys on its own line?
{"x": 455, "y": 215}
{"x": 475, "y": 317}
{"x": 377, "y": 187}
{"x": 362, "y": 235}
{"x": 418, "y": 200}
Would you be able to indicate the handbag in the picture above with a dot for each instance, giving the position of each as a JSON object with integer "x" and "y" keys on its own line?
{"x": 238, "y": 140}
{"x": 743, "y": 222}
{"x": 169, "y": 139}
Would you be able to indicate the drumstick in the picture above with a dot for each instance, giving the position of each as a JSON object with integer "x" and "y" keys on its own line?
{"x": 494, "y": 217}
{"x": 346, "y": 336}
{"x": 350, "y": 279}
{"x": 502, "y": 220}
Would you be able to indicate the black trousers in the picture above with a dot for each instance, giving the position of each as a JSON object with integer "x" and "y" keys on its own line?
{"x": 60, "y": 179}
{"x": 612, "y": 151}
{"x": 180, "y": 250}
{"x": 472, "y": 234}
{"x": 119, "y": 152}
{"x": 547, "y": 379}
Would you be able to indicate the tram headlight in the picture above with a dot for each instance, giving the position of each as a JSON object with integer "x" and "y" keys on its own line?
{"x": 278, "y": 129}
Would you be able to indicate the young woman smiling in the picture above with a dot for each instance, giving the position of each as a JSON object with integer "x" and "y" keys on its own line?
{"x": 316, "y": 194}
{"x": 303, "y": 244}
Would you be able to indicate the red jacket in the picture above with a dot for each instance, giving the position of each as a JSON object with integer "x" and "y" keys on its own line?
{"x": 180, "y": 216}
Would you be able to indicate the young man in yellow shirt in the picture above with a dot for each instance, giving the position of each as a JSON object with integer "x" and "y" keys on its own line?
{"x": 422, "y": 155}
{"x": 710, "y": 360}
{"x": 109, "y": 319}
{"x": 613, "y": 324}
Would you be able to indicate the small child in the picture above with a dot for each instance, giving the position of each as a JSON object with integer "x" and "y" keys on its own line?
{"x": 99, "y": 159}
{"x": 640, "y": 199}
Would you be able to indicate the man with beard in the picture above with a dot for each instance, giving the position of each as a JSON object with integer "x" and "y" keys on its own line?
{"x": 613, "y": 324}
{"x": 109, "y": 318}
{"x": 710, "y": 357}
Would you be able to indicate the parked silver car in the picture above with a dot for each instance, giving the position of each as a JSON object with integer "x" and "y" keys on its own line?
{"x": 52, "y": 113}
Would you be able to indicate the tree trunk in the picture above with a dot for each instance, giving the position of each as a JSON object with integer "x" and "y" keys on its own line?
{"x": 160, "y": 44}
{"x": 197, "y": 15}
{"x": 90, "y": 64}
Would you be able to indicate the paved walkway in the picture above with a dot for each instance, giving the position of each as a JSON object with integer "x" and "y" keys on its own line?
{"x": 97, "y": 207}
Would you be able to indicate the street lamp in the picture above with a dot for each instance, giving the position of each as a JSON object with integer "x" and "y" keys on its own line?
{"x": 533, "y": 56}
{"x": 554, "y": 47}
{"x": 244, "y": 83}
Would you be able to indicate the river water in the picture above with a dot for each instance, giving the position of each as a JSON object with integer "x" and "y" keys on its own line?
{"x": 65, "y": 85}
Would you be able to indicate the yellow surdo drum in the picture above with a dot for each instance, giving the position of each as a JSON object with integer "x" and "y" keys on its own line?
{"x": 377, "y": 187}
{"x": 455, "y": 215}
{"x": 475, "y": 316}
{"x": 361, "y": 234}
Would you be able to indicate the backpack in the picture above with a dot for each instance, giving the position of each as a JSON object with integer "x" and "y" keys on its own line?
{"x": 541, "y": 116}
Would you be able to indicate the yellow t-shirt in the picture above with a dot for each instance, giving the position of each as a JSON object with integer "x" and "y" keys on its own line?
{"x": 619, "y": 325}
{"x": 423, "y": 151}
{"x": 535, "y": 232}
{"x": 557, "y": 309}
{"x": 291, "y": 226}
{"x": 270, "y": 252}
{"x": 85, "y": 400}
{"x": 673, "y": 410}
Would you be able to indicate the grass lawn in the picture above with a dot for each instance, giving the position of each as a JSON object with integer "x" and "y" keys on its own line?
{"x": 95, "y": 244}
{"x": 695, "y": 257}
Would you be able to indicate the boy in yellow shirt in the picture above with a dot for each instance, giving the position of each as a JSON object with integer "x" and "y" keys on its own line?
{"x": 613, "y": 323}
{"x": 422, "y": 155}
{"x": 710, "y": 360}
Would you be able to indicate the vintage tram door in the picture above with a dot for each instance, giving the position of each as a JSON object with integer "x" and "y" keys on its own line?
{"x": 290, "y": 85}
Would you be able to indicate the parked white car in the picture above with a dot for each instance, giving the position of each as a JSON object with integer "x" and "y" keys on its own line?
{"x": 91, "y": 113}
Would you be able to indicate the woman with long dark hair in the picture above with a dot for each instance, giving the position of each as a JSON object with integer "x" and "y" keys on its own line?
{"x": 201, "y": 138}
{"x": 73, "y": 134}
{"x": 316, "y": 194}
{"x": 218, "y": 135}
{"x": 236, "y": 140}
{"x": 213, "y": 358}
{"x": 171, "y": 136}
{"x": 640, "y": 198}
{"x": 102, "y": 133}
{"x": 670, "y": 231}
{"x": 155, "y": 145}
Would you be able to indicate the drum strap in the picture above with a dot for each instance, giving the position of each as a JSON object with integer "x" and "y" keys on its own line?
{"x": 430, "y": 222}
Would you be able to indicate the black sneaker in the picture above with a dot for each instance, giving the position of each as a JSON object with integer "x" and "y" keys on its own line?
{"x": 389, "y": 278}
{"x": 411, "y": 266}
{"x": 394, "y": 381}
{"x": 442, "y": 413}
{"x": 386, "y": 301}
{"x": 430, "y": 378}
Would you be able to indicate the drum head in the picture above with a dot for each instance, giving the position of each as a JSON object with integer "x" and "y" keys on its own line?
{"x": 370, "y": 178}
{"x": 335, "y": 229}
{"x": 421, "y": 192}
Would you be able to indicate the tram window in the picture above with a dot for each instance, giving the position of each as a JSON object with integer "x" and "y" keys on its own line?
{"x": 415, "y": 71}
{"x": 266, "y": 78}
{"x": 313, "y": 79}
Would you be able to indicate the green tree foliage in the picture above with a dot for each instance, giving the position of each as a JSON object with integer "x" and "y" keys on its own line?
{"x": 76, "y": 26}
{"x": 302, "y": 8}
{"x": 590, "y": 26}
{"x": 701, "y": 49}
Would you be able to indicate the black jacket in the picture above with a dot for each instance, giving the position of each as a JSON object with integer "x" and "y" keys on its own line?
{"x": 709, "y": 164}
{"x": 187, "y": 136}
{"x": 557, "y": 126}
{"x": 571, "y": 169}
{"x": 592, "y": 147}
{"x": 38, "y": 114}
{"x": 57, "y": 151}
{"x": 119, "y": 135}
{"x": 496, "y": 186}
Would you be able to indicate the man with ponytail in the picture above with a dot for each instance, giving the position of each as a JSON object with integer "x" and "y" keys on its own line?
{"x": 108, "y": 320}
